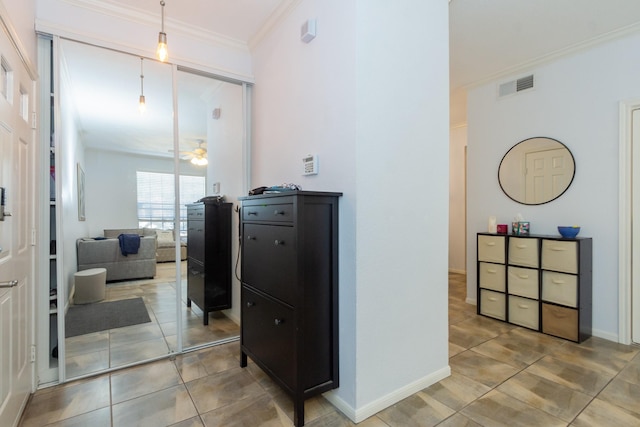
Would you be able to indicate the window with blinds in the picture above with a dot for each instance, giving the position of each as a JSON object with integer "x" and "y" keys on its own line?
{"x": 156, "y": 198}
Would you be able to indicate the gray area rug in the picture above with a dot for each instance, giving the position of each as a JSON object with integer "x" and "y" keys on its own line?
{"x": 85, "y": 319}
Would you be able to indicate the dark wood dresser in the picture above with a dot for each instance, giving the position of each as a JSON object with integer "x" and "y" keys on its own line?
{"x": 209, "y": 256}
{"x": 290, "y": 291}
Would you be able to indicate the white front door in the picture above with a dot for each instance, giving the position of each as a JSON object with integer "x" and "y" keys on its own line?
{"x": 635, "y": 238}
{"x": 548, "y": 174}
{"x": 16, "y": 253}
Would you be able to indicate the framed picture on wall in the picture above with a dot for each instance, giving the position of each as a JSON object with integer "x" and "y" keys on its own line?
{"x": 81, "y": 215}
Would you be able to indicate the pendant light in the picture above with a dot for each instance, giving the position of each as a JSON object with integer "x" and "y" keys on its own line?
{"x": 162, "y": 52}
{"x": 142, "y": 105}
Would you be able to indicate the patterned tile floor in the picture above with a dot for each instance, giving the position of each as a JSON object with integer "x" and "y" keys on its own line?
{"x": 502, "y": 375}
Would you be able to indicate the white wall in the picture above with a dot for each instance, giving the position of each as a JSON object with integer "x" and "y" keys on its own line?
{"x": 576, "y": 101}
{"x": 457, "y": 199}
{"x": 225, "y": 146}
{"x": 370, "y": 96}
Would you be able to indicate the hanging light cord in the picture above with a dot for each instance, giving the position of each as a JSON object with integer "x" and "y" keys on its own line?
{"x": 141, "y": 78}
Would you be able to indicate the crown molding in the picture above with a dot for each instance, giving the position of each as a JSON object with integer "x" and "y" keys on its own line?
{"x": 552, "y": 56}
{"x": 283, "y": 10}
{"x": 172, "y": 26}
{"x": 10, "y": 31}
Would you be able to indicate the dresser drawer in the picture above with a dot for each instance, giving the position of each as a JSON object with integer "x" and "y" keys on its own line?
{"x": 523, "y": 251}
{"x": 492, "y": 276}
{"x": 524, "y": 312}
{"x": 195, "y": 239}
{"x": 491, "y": 248}
{"x": 269, "y": 260}
{"x": 523, "y": 282}
{"x": 560, "y": 256}
{"x": 268, "y": 333}
{"x": 560, "y": 321}
{"x": 195, "y": 212}
{"x": 275, "y": 212}
{"x": 492, "y": 304}
{"x": 560, "y": 288}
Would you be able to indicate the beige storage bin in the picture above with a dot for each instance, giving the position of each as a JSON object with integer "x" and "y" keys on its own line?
{"x": 491, "y": 248}
{"x": 559, "y": 255}
{"x": 560, "y": 288}
{"x": 492, "y": 304}
{"x": 524, "y": 312}
{"x": 523, "y": 282}
{"x": 523, "y": 252}
{"x": 492, "y": 276}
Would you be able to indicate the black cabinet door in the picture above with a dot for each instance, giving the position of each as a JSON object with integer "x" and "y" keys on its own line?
{"x": 195, "y": 239}
{"x": 267, "y": 331}
{"x": 270, "y": 259}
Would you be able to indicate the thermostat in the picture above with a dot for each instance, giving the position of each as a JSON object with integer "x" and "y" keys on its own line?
{"x": 310, "y": 164}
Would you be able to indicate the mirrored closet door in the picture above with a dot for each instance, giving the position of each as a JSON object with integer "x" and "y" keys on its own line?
{"x": 126, "y": 175}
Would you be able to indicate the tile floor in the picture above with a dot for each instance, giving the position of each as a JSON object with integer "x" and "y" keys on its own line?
{"x": 502, "y": 375}
{"x": 96, "y": 352}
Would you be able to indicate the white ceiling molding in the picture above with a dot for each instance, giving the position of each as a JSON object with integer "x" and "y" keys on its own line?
{"x": 578, "y": 47}
{"x": 172, "y": 26}
{"x": 5, "y": 23}
{"x": 284, "y": 9}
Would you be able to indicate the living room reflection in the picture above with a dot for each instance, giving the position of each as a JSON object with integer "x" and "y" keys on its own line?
{"x": 125, "y": 258}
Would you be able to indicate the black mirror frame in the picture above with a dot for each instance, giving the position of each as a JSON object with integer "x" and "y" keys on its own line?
{"x": 550, "y": 200}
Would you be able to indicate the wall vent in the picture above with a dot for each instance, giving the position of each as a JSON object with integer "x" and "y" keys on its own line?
{"x": 514, "y": 86}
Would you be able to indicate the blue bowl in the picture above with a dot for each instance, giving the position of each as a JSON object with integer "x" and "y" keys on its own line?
{"x": 569, "y": 232}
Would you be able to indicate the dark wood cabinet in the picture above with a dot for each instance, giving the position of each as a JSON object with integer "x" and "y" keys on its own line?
{"x": 209, "y": 256}
{"x": 290, "y": 291}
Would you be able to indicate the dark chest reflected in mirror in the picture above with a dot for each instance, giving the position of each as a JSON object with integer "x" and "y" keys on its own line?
{"x": 536, "y": 171}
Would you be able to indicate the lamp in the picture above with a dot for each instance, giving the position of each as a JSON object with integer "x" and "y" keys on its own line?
{"x": 162, "y": 52}
{"x": 142, "y": 105}
{"x": 199, "y": 160}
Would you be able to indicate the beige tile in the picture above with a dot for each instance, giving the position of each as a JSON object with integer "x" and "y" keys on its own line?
{"x": 135, "y": 382}
{"x": 67, "y": 401}
{"x": 498, "y": 409}
{"x": 98, "y": 418}
{"x": 162, "y": 408}
{"x": 419, "y": 409}
{"x": 336, "y": 419}
{"x": 191, "y": 422}
{"x": 552, "y": 398}
{"x": 621, "y": 393}
{"x": 314, "y": 408}
{"x": 87, "y": 363}
{"x": 456, "y": 391}
{"x": 458, "y": 420}
{"x": 480, "y": 368}
{"x": 141, "y": 351}
{"x": 248, "y": 412}
{"x": 573, "y": 374}
{"x": 87, "y": 343}
{"x": 600, "y": 413}
{"x": 224, "y": 388}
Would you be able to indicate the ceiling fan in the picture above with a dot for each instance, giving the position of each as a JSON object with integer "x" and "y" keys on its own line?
{"x": 197, "y": 156}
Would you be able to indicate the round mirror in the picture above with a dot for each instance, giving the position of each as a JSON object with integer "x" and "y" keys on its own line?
{"x": 536, "y": 171}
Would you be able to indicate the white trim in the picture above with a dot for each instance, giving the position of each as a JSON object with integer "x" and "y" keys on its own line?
{"x": 472, "y": 301}
{"x": 552, "y": 56}
{"x": 5, "y": 21}
{"x": 360, "y": 414}
{"x": 625, "y": 221}
{"x": 282, "y": 11}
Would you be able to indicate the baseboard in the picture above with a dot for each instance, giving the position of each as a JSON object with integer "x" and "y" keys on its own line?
{"x": 370, "y": 409}
{"x": 455, "y": 270}
{"x": 604, "y": 335}
{"x": 471, "y": 301}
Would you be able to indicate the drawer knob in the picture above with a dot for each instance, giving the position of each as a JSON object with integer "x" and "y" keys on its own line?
{"x": 251, "y": 237}
{"x": 278, "y": 322}
{"x": 278, "y": 242}
{"x": 252, "y": 213}
{"x": 558, "y": 248}
{"x": 250, "y": 303}
{"x": 493, "y": 299}
{"x": 558, "y": 281}
{"x": 492, "y": 271}
{"x": 523, "y": 306}
{"x": 521, "y": 246}
{"x": 523, "y": 276}
{"x": 277, "y": 212}
{"x": 491, "y": 244}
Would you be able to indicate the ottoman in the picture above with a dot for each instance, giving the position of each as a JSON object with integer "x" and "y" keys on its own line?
{"x": 90, "y": 285}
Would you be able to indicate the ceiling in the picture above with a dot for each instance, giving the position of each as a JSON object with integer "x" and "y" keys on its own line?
{"x": 488, "y": 39}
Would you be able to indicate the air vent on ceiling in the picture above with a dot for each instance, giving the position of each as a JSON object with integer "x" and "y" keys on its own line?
{"x": 514, "y": 86}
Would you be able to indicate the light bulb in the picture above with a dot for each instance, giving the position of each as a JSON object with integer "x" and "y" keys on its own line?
{"x": 142, "y": 105}
{"x": 162, "y": 52}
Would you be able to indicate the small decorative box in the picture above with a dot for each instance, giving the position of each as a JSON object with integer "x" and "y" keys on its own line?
{"x": 502, "y": 228}
{"x": 520, "y": 228}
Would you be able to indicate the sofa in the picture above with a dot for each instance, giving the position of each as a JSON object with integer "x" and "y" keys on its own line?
{"x": 166, "y": 250}
{"x": 105, "y": 253}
